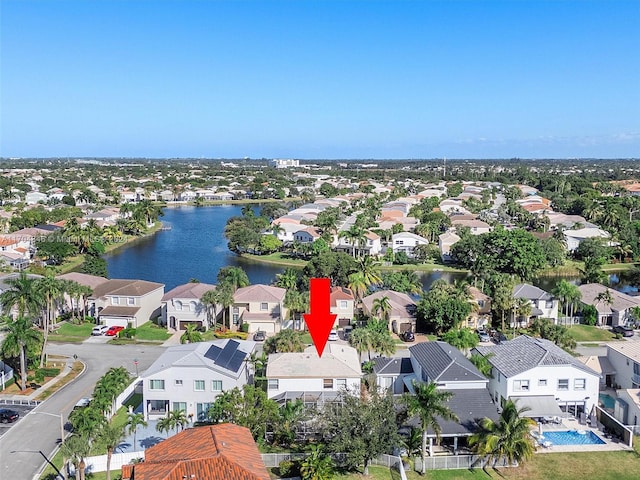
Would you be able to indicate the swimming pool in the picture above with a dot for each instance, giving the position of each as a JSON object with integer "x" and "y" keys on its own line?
{"x": 572, "y": 437}
{"x": 608, "y": 401}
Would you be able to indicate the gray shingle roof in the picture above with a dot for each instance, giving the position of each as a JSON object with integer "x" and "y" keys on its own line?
{"x": 524, "y": 353}
{"x": 392, "y": 366}
{"x": 444, "y": 363}
{"x": 524, "y": 290}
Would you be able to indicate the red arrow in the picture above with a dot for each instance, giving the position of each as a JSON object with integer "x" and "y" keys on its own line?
{"x": 320, "y": 320}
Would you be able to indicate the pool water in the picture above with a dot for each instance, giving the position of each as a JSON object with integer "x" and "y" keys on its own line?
{"x": 572, "y": 437}
{"x": 608, "y": 401}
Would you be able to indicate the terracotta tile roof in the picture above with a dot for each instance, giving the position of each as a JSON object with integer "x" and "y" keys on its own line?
{"x": 259, "y": 293}
{"x": 6, "y": 241}
{"x": 126, "y": 288}
{"x": 188, "y": 290}
{"x": 340, "y": 293}
{"x": 83, "y": 279}
{"x": 218, "y": 452}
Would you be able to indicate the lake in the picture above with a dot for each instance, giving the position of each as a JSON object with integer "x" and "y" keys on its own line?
{"x": 195, "y": 247}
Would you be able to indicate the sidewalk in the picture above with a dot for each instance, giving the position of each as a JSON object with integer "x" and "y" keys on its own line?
{"x": 31, "y": 396}
{"x": 174, "y": 339}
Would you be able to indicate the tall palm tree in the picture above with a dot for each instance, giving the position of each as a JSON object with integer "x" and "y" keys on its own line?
{"x": 23, "y": 295}
{"x": 178, "y": 418}
{"x": 210, "y": 300}
{"x": 76, "y": 448}
{"x": 21, "y": 337}
{"x": 507, "y": 439}
{"x": 224, "y": 295}
{"x": 236, "y": 277}
{"x": 135, "y": 420}
{"x": 287, "y": 279}
{"x": 383, "y": 306}
{"x": 354, "y": 236}
{"x": 370, "y": 270}
{"x": 297, "y": 303}
{"x": 164, "y": 425}
{"x": 358, "y": 285}
{"x": 360, "y": 339}
{"x": 430, "y": 405}
{"x": 51, "y": 290}
{"x": 110, "y": 436}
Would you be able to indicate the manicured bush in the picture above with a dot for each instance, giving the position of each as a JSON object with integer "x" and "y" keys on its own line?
{"x": 127, "y": 333}
{"x": 244, "y": 327}
{"x": 230, "y": 334}
{"x": 288, "y": 468}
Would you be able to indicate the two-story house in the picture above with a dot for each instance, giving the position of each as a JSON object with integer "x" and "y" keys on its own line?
{"x": 307, "y": 235}
{"x": 126, "y": 302}
{"x": 480, "y": 315}
{"x": 476, "y": 227}
{"x": 260, "y": 306}
{"x": 625, "y": 360}
{"x": 542, "y": 376}
{"x": 543, "y": 305}
{"x": 406, "y": 242}
{"x": 342, "y": 303}
{"x": 450, "y": 370}
{"x": 190, "y": 377}
{"x": 183, "y": 306}
{"x": 613, "y": 307}
{"x": 402, "y": 316}
{"x": 445, "y": 242}
{"x": 15, "y": 251}
{"x": 316, "y": 379}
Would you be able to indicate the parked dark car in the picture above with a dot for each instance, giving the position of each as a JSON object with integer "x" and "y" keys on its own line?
{"x": 259, "y": 336}
{"x": 499, "y": 338}
{"x": 407, "y": 336}
{"x": 624, "y": 331}
{"x": 8, "y": 416}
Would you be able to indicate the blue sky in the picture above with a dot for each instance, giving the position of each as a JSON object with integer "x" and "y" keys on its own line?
{"x": 320, "y": 79}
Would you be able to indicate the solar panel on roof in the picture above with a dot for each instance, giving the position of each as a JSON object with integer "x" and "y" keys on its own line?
{"x": 227, "y": 353}
{"x": 213, "y": 353}
{"x": 236, "y": 361}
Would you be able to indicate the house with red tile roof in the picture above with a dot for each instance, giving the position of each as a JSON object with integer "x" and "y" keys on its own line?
{"x": 261, "y": 306}
{"x": 217, "y": 452}
{"x": 342, "y": 303}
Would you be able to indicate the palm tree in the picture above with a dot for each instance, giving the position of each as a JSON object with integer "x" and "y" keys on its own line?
{"x": 482, "y": 363}
{"x": 430, "y": 405}
{"x": 51, "y": 291}
{"x": 110, "y": 436}
{"x": 290, "y": 414}
{"x": 164, "y": 425}
{"x": 358, "y": 285}
{"x": 233, "y": 276}
{"x": 210, "y": 300}
{"x": 76, "y": 448}
{"x": 178, "y": 418}
{"x": 23, "y": 295}
{"x": 287, "y": 279}
{"x": 20, "y": 338}
{"x": 284, "y": 341}
{"x": 297, "y": 303}
{"x": 191, "y": 334}
{"x": 370, "y": 270}
{"x": 354, "y": 236}
{"x": 522, "y": 308}
{"x": 503, "y": 296}
{"x": 225, "y": 298}
{"x": 383, "y": 306}
{"x": 317, "y": 466}
{"x": 86, "y": 420}
{"x": 360, "y": 339}
{"x": 135, "y": 420}
{"x": 507, "y": 439}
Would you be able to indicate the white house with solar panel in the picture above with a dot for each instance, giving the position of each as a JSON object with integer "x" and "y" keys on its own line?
{"x": 189, "y": 377}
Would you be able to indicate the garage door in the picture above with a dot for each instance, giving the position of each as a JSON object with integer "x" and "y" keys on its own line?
{"x": 268, "y": 327}
{"x": 114, "y": 321}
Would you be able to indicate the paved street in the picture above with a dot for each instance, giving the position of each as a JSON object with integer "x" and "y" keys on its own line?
{"x": 20, "y": 446}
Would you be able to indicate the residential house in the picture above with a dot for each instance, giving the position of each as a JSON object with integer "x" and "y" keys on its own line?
{"x": 15, "y": 251}
{"x": 402, "y": 316}
{"x": 190, "y": 377}
{"x": 91, "y": 281}
{"x": 614, "y": 308}
{"x": 481, "y": 314}
{"x": 307, "y": 235}
{"x": 342, "y": 304}
{"x": 286, "y": 230}
{"x": 213, "y": 452}
{"x": 390, "y": 373}
{"x": 476, "y": 227}
{"x": 371, "y": 246}
{"x": 445, "y": 241}
{"x": 260, "y": 306}
{"x": 574, "y": 238}
{"x": 406, "y": 242}
{"x": 32, "y": 198}
{"x": 126, "y": 302}
{"x": 471, "y": 401}
{"x": 307, "y": 375}
{"x": 540, "y": 375}
{"x": 543, "y": 304}
{"x": 182, "y": 306}
{"x": 627, "y": 407}
{"x": 625, "y": 360}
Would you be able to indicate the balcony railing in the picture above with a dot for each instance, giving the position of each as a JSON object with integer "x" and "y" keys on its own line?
{"x": 635, "y": 379}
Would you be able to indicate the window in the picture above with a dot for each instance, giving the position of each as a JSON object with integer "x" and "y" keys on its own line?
{"x": 131, "y": 301}
{"x": 481, "y": 303}
{"x": 178, "y": 305}
{"x": 264, "y": 306}
{"x": 156, "y": 384}
{"x": 327, "y": 383}
{"x": 273, "y": 384}
{"x": 198, "y": 385}
{"x": 341, "y": 383}
{"x": 192, "y": 306}
{"x": 202, "y": 410}
{"x": 158, "y": 405}
{"x": 343, "y": 304}
{"x": 542, "y": 382}
{"x": 236, "y": 318}
{"x": 179, "y": 406}
{"x": 563, "y": 384}
{"x": 216, "y": 385}
{"x": 399, "y": 242}
{"x": 549, "y": 304}
{"x": 579, "y": 384}
{"x": 521, "y": 385}
{"x": 115, "y": 301}
{"x": 178, "y": 383}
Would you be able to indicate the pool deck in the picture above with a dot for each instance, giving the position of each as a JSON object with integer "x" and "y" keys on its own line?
{"x": 610, "y": 445}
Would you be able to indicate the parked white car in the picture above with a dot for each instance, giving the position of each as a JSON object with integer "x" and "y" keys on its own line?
{"x": 99, "y": 330}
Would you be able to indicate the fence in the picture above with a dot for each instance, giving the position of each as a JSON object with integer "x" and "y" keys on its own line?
{"x": 126, "y": 393}
{"x": 454, "y": 462}
{"x": 99, "y": 462}
{"x": 28, "y": 403}
{"x": 569, "y": 320}
{"x": 6, "y": 374}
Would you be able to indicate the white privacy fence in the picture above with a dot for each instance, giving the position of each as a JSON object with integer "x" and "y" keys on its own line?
{"x": 454, "y": 462}
{"x": 99, "y": 462}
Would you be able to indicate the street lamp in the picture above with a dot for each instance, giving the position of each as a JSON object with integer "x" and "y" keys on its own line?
{"x": 135, "y": 362}
{"x": 61, "y": 423}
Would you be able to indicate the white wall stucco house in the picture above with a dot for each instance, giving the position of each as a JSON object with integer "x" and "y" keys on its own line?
{"x": 261, "y": 306}
{"x": 618, "y": 312}
{"x": 190, "y": 377}
{"x": 182, "y": 306}
{"x": 406, "y": 242}
{"x": 625, "y": 360}
{"x": 539, "y": 374}
{"x": 126, "y": 302}
{"x": 543, "y": 304}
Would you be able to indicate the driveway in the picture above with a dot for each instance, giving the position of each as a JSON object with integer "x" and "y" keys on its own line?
{"x": 39, "y": 431}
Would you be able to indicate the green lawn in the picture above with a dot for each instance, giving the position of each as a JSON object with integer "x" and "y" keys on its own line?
{"x": 587, "y": 333}
{"x": 69, "y": 333}
{"x": 151, "y": 332}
